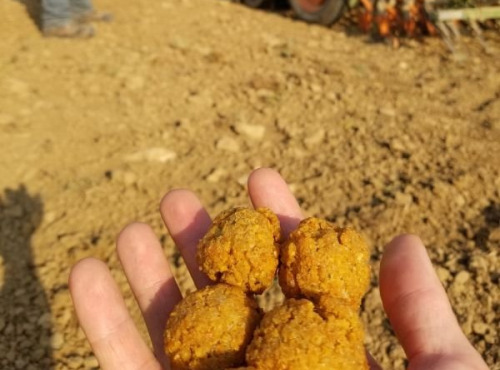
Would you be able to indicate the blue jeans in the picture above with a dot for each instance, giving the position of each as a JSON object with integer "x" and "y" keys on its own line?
{"x": 59, "y": 12}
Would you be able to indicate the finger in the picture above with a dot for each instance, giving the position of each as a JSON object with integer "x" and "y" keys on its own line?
{"x": 268, "y": 189}
{"x": 187, "y": 221}
{"x": 372, "y": 363}
{"x": 150, "y": 278}
{"x": 417, "y": 305}
{"x": 105, "y": 320}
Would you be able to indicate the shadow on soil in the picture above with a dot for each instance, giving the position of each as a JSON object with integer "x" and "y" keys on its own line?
{"x": 491, "y": 221}
{"x": 25, "y": 319}
{"x": 33, "y": 9}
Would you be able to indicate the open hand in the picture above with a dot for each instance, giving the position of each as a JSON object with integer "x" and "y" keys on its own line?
{"x": 412, "y": 295}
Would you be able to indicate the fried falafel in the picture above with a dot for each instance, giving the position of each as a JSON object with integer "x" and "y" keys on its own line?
{"x": 296, "y": 336}
{"x": 211, "y": 328}
{"x": 321, "y": 259}
{"x": 241, "y": 248}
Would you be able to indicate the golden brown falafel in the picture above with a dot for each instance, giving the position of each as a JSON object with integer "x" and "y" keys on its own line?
{"x": 295, "y": 336}
{"x": 320, "y": 259}
{"x": 343, "y": 320}
{"x": 211, "y": 328}
{"x": 241, "y": 248}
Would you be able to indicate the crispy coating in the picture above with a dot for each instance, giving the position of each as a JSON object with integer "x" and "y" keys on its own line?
{"x": 320, "y": 259}
{"x": 295, "y": 336}
{"x": 343, "y": 319}
{"x": 241, "y": 248}
{"x": 211, "y": 328}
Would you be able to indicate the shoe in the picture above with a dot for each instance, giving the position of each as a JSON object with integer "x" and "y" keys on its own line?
{"x": 70, "y": 29}
{"x": 94, "y": 16}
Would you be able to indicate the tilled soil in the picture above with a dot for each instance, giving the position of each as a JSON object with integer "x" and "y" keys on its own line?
{"x": 196, "y": 94}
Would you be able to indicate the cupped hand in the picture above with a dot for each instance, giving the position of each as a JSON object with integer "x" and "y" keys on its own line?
{"x": 412, "y": 295}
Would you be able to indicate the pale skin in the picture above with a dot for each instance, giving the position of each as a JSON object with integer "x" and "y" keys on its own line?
{"x": 412, "y": 296}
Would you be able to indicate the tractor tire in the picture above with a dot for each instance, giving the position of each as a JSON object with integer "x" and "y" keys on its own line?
{"x": 256, "y": 3}
{"x": 325, "y": 12}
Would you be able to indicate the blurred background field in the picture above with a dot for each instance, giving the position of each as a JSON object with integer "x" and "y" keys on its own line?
{"x": 196, "y": 94}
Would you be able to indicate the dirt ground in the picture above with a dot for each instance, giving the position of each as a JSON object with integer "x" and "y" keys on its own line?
{"x": 196, "y": 94}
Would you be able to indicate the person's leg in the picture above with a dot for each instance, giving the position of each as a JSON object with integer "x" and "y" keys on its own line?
{"x": 55, "y": 13}
{"x": 81, "y": 7}
{"x": 57, "y": 21}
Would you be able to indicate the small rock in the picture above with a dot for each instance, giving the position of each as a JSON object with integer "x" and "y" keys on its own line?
{"x": 56, "y": 341}
{"x": 491, "y": 339}
{"x": 495, "y": 235}
{"x": 273, "y": 41}
{"x": 403, "y": 199}
{"x": 397, "y": 145}
{"x": 19, "y": 88}
{"x": 125, "y": 177}
{"x": 80, "y": 334}
{"x": 490, "y": 316}
{"x": 161, "y": 155}
{"x": 462, "y": 277}
{"x": 135, "y": 82}
{"x": 467, "y": 326}
{"x": 74, "y": 362}
{"x": 203, "y": 100}
{"x": 459, "y": 200}
{"x": 216, "y": 175}
{"x": 314, "y": 139}
{"x": 50, "y": 217}
{"x": 388, "y": 111}
{"x": 90, "y": 362}
{"x": 293, "y": 187}
{"x": 443, "y": 274}
{"x": 265, "y": 94}
{"x": 480, "y": 328}
{"x": 204, "y": 50}
{"x": 333, "y": 97}
{"x": 179, "y": 44}
{"x": 242, "y": 180}
{"x": 255, "y": 132}
{"x": 45, "y": 320}
{"x": 129, "y": 178}
{"x": 312, "y": 44}
{"x": 228, "y": 144}
{"x": 65, "y": 318}
{"x": 315, "y": 88}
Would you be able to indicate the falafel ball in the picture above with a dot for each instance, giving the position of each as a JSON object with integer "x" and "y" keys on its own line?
{"x": 211, "y": 328}
{"x": 241, "y": 248}
{"x": 321, "y": 259}
{"x": 343, "y": 318}
{"x": 295, "y": 336}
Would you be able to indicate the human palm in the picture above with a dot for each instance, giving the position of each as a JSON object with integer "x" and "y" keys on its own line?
{"x": 412, "y": 295}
